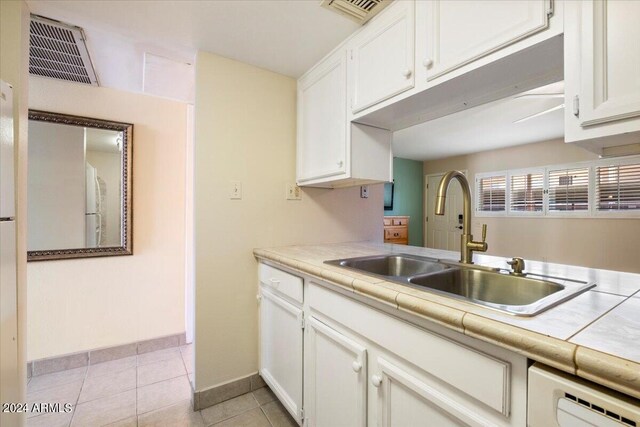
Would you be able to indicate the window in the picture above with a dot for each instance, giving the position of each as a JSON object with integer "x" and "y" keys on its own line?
{"x": 618, "y": 188}
{"x": 600, "y": 188}
{"x": 568, "y": 190}
{"x": 491, "y": 195}
{"x": 526, "y": 192}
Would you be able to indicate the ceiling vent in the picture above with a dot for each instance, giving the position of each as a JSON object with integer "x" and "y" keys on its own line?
{"x": 59, "y": 51}
{"x": 357, "y": 10}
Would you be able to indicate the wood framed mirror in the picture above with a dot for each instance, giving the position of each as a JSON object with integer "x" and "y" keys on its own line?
{"x": 79, "y": 187}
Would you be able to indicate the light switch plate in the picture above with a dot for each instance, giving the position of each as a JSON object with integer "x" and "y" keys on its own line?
{"x": 235, "y": 190}
{"x": 292, "y": 192}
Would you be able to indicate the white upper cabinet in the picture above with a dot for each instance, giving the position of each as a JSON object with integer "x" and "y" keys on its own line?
{"x": 381, "y": 56}
{"x": 331, "y": 152}
{"x": 610, "y": 66}
{"x": 602, "y": 62}
{"x": 462, "y": 31}
{"x": 322, "y": 120}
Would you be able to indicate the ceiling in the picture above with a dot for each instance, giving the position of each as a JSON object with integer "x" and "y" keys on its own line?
{"x": 102, "y": 140}
{"x": 285, "y": 36}
{"x": 487, "y": 127}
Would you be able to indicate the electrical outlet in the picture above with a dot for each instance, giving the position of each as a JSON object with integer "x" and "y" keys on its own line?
{"x": 364, "y": 191}
{"x": 235, "y": 190}
{"x": 293, "y": 192}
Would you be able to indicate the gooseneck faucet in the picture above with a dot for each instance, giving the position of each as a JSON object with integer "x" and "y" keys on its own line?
{"x": 467, "y": 245}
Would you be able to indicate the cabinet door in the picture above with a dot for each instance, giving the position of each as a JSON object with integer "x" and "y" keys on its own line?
{"x": 382, "y": 57}
{"x": 459, "y": 32}
{"x": 322, "y": 115}
{"x": 404, "y": 399}
{"x": 281, "y": 350}
{"x": 610, "y": 61}
{"x": 335, "y": 379}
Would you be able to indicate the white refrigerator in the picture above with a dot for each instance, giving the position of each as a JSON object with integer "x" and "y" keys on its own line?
{"x": 93, "y": 212}
{"x": 9, "y": 390}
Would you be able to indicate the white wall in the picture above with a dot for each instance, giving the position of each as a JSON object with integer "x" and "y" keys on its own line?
{"x": 245, "y": 131}
{"x": 590, "y": 242}
{"x": 81, "y": 304}
{"x": 56, "y": 189}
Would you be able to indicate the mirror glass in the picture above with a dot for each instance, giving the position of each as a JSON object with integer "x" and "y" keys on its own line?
{"x": 77, "y": 187}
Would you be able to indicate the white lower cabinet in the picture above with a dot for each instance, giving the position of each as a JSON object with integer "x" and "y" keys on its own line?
{"x": 364, "y": 366}
{"x": 403, "y": 399}
{"x": 281, "y": 350}
{"x": 335, "y": 378}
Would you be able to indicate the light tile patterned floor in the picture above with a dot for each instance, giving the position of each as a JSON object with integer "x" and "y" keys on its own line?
{"x": 150, "y": 389}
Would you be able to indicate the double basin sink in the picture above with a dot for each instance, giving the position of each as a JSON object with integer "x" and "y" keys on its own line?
{"x": 493, "y": 288}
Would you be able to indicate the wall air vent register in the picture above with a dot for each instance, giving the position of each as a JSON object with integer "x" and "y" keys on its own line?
{"x": 357, "y": 10}
{"x": 59, "y": 51}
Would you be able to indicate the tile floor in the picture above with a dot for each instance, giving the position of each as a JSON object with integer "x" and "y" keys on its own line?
{"x": 150, "y": 389}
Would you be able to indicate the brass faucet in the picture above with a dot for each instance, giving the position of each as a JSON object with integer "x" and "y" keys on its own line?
{"x": 467, "y": 245}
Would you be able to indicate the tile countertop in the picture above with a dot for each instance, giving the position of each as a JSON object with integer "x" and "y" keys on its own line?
{"x": 595, "y": 335}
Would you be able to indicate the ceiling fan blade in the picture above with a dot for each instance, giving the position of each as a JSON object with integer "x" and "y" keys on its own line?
{"x": 549, "y": 110}
{"x": 540, "y": 95}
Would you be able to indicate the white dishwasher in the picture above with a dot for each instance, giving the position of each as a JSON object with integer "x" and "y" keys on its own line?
{"x": 559, "y": 399}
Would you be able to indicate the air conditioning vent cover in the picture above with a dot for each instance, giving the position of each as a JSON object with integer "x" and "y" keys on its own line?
{"x": 59, "y": 51}
{"x": 357, "y": 10}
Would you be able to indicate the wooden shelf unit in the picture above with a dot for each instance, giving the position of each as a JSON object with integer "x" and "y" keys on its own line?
{"x": 396, "y": 230}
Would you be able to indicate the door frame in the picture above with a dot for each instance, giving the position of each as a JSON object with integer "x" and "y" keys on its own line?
{"x": 425, "y": 200}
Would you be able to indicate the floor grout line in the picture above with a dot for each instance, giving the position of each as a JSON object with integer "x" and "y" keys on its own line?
{"x": 85, "y": 377}
{"x": 75, "y": 406}
{"x": 265, "y": 415}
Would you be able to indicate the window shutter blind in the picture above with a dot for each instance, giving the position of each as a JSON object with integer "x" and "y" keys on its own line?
{"x": 618, "y": 188}
{"x": 569, "y": 190}
{"x": 526, "y": 192}
{"x": 492, "y": 193}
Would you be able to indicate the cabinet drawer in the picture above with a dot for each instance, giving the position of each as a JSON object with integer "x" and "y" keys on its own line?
{"x": 395, "y": 233}
{"x": 400, "y": 221}
{"x": 387, "y": 221}
{"x": 281, "y": 282}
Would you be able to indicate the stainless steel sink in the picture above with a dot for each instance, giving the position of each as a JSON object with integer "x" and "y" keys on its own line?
{"x": 489, "y": 287}
{"x": 493, "y": 288}
{"x": 391, "y": 266}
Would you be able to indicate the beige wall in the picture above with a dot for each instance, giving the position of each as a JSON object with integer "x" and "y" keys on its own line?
{"x": 14, "y": 68}
{"x": 82, "y": 304}
{"x": 591, "y": 242}
{"x": 245, "y": 131}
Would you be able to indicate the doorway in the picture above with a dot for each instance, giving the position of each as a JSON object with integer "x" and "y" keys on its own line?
{"x": 443, "y": 232}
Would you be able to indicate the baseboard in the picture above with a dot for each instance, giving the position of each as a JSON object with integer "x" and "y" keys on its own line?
{"x": 212, "y": 396}
{"x": 100, "y": 355}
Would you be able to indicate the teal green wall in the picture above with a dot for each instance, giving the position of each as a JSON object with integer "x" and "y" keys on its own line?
{"x": 408, "y": 196}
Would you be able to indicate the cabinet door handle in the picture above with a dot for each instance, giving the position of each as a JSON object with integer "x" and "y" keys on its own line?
{"x": 258, "y": 297}
{"x": 356, "y": 366}
{"x": 274, "y": 282}
{"x": 428, "y": 63}
{"x": 340, "y": 163}
{"x": 376, "y": 380}
{"x": 406, "y": 73}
